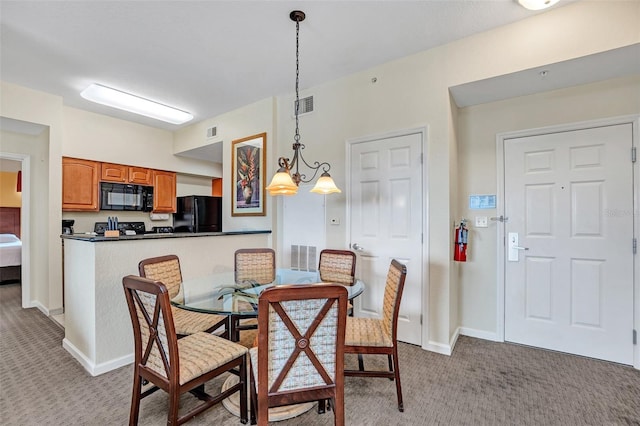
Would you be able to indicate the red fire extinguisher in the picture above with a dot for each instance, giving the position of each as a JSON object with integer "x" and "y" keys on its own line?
{"x": 460, "y": 242}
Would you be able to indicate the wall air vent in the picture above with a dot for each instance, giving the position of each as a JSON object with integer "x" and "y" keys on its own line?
{"x": 305, "y": 106}
{"x": 212, "y": 132}
{"x": 303, "y": 258}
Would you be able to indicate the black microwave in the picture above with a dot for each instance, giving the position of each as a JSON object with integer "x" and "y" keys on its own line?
{"x": 121, "y": 196}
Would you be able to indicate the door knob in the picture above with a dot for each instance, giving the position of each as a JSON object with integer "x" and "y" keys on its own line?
{"x": 514, "y": 247}
{"x": 357, "y": 247}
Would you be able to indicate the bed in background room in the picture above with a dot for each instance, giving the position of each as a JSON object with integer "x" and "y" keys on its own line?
{"x": 10, "y": 245}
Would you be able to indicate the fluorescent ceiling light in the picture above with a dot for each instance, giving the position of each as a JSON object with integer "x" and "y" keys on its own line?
{"x": 115, "y": 98}
{"x": 537, "y": 4}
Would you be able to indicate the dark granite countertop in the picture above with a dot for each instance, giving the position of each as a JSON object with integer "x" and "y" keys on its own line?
{"x": 100, "y": 238}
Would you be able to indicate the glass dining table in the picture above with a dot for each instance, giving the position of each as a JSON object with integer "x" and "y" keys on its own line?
{"x": 218, "y": 293}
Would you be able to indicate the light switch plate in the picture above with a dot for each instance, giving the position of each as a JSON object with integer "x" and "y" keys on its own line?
{"x": 482, "y": 222}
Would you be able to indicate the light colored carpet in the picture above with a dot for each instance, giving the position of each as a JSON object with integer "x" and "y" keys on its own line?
{"x": 483, "y": 383}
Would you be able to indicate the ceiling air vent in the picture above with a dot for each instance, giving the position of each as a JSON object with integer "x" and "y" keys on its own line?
{"x": 306, "y": 106}
{"x": 212, "y": 132}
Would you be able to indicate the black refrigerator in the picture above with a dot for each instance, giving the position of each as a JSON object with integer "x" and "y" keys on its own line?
{"x": 198, "y": 213}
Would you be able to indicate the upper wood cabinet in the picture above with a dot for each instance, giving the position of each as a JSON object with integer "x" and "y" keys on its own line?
{"x": 125, "y": 174}
{"x": 140, "y": 175}
{"x": 164, "y": 191}
{"x": 80, "y": 184}
{"x": 113, "y": 172}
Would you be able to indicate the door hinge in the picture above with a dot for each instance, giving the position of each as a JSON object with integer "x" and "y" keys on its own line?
{"x": 633, "y": 154}
{"x": 635, "y": 245}
{"x": 635, "y": 337}
{"x": 421, "y": 324}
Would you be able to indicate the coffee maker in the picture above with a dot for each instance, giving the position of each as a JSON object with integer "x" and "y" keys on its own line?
{"x": 67, "y": 226}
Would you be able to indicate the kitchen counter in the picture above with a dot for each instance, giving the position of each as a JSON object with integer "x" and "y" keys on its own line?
{"x": 98, "y": 238}
{"x": 98, "y": 331}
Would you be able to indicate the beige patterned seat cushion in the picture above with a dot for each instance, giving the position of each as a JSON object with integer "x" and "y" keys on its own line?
{"x": 189, "y": 322}
{"x": 203, "y": 352}
{"x": 366, "y": 332}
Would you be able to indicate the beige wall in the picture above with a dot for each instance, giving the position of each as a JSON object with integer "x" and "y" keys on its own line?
{"x": 477, "y": 130}
{"x": 9, "y": 197}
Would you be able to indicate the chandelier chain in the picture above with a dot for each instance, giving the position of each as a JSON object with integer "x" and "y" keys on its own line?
{"x": 297, "y": 105}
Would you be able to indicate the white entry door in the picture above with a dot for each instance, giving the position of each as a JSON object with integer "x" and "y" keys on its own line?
{"x": 386, "y": 223}
{"x": 569, "y": 268}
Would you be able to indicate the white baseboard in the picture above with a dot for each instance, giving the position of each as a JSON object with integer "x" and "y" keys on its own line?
{"x": 57, "y": 311}
{"x": 480, "y": 334}
{"x": 40, "y": 306}
{"x": 90, "y": 366}
{"x": 442, "y": 348}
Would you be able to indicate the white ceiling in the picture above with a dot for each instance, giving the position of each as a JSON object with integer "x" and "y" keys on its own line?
{"x": 210, "y": 57}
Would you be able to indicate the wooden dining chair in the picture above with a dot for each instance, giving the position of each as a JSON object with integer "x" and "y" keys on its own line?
{"x": 177, "y": 365}
{"x": 372, "y": 336}
{"x": 254, "y": 266}
{"x": 300, "y": 356}
{"x": 167, "y": 269}
{"x": 338, "y": 266}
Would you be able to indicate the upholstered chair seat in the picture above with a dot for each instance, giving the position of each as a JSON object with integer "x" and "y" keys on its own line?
{"x": 204, "y": 352}
{"x": 366, "y": 332}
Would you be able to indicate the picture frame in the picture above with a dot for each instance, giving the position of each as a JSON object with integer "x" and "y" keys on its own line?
{"x": 248, "y": 173}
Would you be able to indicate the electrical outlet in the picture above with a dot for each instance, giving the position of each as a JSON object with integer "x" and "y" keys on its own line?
{"x": 482, "y": 222}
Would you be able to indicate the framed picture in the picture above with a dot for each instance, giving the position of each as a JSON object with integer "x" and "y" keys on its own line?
{"x": 248, "y": 175}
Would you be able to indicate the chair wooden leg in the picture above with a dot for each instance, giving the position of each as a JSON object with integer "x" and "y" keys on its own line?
{"x": 243, "y": 390}
{"x": 253, "y": 398}
{"x": 360, "y": 362}
{"x": 135, "y": 400}
{"x": 396, "y": 370}
{"x": 321, "y": 406}
{"x": 174, "y": 400}
{"x": 338, "y": 409}
{"x": 390, "y": 363}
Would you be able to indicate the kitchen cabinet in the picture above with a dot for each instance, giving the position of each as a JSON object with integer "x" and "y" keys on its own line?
{"x": 140, "y": 175}
{"x": 80, "y": 184}
{"x": 125, "y": 174}
{"x": 164, "y": 191}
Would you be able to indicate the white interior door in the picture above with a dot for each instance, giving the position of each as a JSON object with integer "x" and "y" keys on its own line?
{"x": 569, "y": 268}
{"x": 386, "y": 223}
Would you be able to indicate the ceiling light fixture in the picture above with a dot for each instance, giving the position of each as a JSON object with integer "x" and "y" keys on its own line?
{"x": 537, "y": 4}
{"x": 117, "y": 99}
{"x": 284, "y": 182}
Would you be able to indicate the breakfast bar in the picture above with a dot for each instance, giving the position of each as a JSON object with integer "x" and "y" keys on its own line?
{"x": 97, "y": 324}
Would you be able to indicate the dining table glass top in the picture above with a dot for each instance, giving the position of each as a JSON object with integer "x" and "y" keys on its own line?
{"x": 218, "y": 293}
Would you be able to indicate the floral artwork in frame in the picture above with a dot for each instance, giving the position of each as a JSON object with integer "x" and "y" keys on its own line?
{"x": 248, "y": 175}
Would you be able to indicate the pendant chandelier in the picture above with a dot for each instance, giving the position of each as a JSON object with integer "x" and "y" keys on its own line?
{"x": 288, "y": 176}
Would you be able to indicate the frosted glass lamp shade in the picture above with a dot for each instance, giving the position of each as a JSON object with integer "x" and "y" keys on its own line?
{"x": 282, "y": 184}
{"x": 325, "y": 185}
